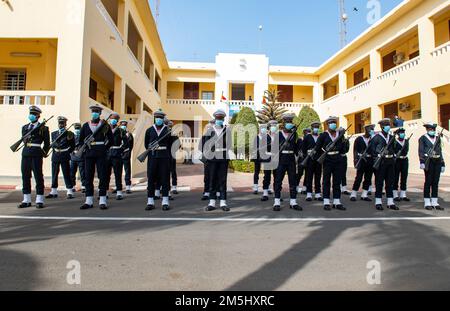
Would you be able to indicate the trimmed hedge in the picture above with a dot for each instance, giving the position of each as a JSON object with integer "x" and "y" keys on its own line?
{"x": 242, "y": 166}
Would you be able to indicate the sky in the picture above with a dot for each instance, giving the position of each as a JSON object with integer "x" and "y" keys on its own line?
{"x": 295, "y": 32}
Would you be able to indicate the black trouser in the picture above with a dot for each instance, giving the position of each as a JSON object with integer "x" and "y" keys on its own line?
{"x": 74, "y": 167}
{"x": 256, "y": 173}
{"x": 91, "y": 163}
{"x": 65, "y": 168}
{"x": 218, "y": 173}
{"x": 384, "y": 176}
{"x": 432, "y": 177}
{"x": 127, "y": 168}
{"x": 332, "y": 169}
{"x": 206, "y": 179}
{"x": 115, "y": 165}
{"x": 313, "y": 171}
{"x": 401, "y": 174}
{"x": 173, "y": 171}
{"x": 344, "y": 166}
{"x": 281, "y": 171}
{"x": 300, "y": 173}
{"x": 158, "y": 172}
{"x": 366, "y": 172}
{"x": 32, "y": 164}
{"x": 267, "y": 175}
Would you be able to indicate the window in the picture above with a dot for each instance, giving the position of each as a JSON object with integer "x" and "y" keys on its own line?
{"x": 388, "y": 61}
{"x": 191, "y": 90}
{"x": 208, "y": 95}
{"x": 286, "y": 93}
{"x": 358, "y": 77}
{"x": 14, "y": 80}
{"x": 157, "y": 82}
{"x": 414, "y": 55}
{"x": 93, "y": 89}
{"x": 238, "y": 92}
{"x": 149, "y": 68}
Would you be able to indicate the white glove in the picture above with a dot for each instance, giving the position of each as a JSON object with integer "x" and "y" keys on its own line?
{"x": 443, "y": 170}
{"x": 422, "y": 166}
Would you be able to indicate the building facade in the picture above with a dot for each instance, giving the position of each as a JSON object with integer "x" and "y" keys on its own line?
{"x": 71, "y": 53}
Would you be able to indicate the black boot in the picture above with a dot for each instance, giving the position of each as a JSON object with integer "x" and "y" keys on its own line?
{"x": 379, "y": 207}
{"x": 40, "y": 205}
{"x": 277, "y": 208}
{"x": 264, "y": 199}
{"x": 150, "y": 207}
{"x": 52, "y": 196}
{"x": 86, "y": 206}
{"x": 24, "y": 205}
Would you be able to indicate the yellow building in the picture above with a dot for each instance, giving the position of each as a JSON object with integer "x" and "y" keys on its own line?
{"x": 70, "y": 53}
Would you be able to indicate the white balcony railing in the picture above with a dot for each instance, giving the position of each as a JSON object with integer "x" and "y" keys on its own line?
{"x": 135, "y": 60}
{"x": 400, "y": 68}
{"x": 27, "y": 98}
{"x": 358, "y": 87}
{"x": 296, "y": 105}
{"x": 444, "y": 48}
{"x": 241, "y": 103}
{"x": 109, "y": 21}
{"x": 202, "y": 102}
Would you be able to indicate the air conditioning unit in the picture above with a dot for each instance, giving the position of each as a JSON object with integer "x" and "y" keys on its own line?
{"x": 406, "y": 106}
{"x": 399, "y": 58}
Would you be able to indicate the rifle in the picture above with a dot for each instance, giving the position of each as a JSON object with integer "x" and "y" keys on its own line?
{"x": 53, "y": 144}
{"x": 383, "y": 153}
{"x": 399, "y": 154}
{"x": 286, "y": 142}
{"x": 362, "y": 158}
{"x": 88, "y": 140}
{"x": 155, "y": 145}
{"x": 432, "y": 151}
{"x": 203, "y": 159}
{"x": 17, "y": 146}
{"x": 332, "y": 145}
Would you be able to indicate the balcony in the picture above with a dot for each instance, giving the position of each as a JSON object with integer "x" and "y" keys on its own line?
{"x": 134, "y": 60}
{"x": 203, "y": 102}
{"x": 109, "y": 21}
{"x": 358, "y": 87}
{"x": 27, "y": 98}
{"x": 241, "y": 103}
{"x": 445, "y": 48}
{"x": 403, "y": 67}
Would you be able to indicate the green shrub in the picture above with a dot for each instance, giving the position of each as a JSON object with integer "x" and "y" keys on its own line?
{"x": 245, "y": 139}
{"x": 305, "y": 117}
{"x": 242, "y": 166}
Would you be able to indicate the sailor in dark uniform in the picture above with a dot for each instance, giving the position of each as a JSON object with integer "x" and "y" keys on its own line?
{"x": 114, "y": 162}
{"x": 77, "y": 164}
{"x": 313, "y": 169}
{"x": 61, "y": 158}
{"x": 344, "y": 168}
{"x": 259, "y": 142}
{"x": 365, "y": 170}
{"x": 300, "y": 168}
{"x": 332, "y": 166}
{"x": 32, "y": 159}
{"x": 430, "y": 147}
{"x": 386, "y": 173}
{"x": 287, "y": 152}
{"x": 206, "y": 179}
{"x": 158, "y": 161}
{"x": 401, "y": 166}
{"x": 126, "y": 156}
{"x": 176, "y": 145}
{"x": 216, "y": 149}
{"x": 96, "y": 156}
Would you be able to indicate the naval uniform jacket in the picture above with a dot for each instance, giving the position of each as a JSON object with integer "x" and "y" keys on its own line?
{"x": 309, "y": 143}
{"x": 33, "y": 147}
{"x": 102, "y": 139}
{"x": 118, "y": 144}
{"x": 290, "y": 150}
{"x": 360, "y": 146}
{"x": 165, "y": 145}
{"x": 64, "y": 147}
{"x": 379, "y": 142}
{"x": 212, "y": 149}
{"x": 262, "y": 152}
{"x": 335, "y": 155}
{"x": 398, "y": 147}
{"x": 426, "y": 143}
{"x": 127, "y": 152}
{"x": 72, "y": 155}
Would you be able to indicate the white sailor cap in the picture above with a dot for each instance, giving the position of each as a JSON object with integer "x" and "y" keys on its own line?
{"x": 96, "y": 107}
{"x": 35, "y": 109}
{"x": 115, "y": 115}
{"x": 219, "y": 113}
{"x": 288, "y": 116}
{"x": 385, "y": 121}
{"x": 315, "y": 124}
{"x": 159, "y": 114}
{"x": 332, "y": 119}
{"x": 62, "y": 119}
{"x": 431, "y": 125}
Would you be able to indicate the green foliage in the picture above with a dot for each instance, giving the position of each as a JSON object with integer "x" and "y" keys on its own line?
{"x": 233, "y": 119}
{"x": 305, "y": 117}
{"x": 244, "y": 139}
{"x": 242, "y": 166}
{"x": 272, "y": 109}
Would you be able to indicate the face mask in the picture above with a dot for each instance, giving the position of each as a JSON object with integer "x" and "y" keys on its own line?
{"x": 402, "y": 136}
{"x": 289, "y": 126}
{"x": 263, "y": 131}
{"x": 159, "y": 122}
{"x": 113, "y": 122}
{"x": 32, "y": 118}
{"x": 61, "y": 126}
{"x": 315, "y": 131}
{"x": 386, "y": 129}
{"x": 77, "y": 132}
{"x": 432, "y": 133}
{"x": 372, "y": 133}
{"x": 123, "y": 127}
{"x": 95, "y": 115}
{"x": 333, "y": 126}
{"x": 219, "y": 122}
{"x": 274, "y": 129}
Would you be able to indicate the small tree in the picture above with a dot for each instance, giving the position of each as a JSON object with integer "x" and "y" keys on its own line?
{"x": 233, "y": 119}
{"x": 305, "y": 117}
{"x": 272, "y": 109}
{"x": 244, "y": 139}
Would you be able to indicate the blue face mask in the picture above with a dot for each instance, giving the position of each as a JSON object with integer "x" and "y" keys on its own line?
{"x": 95, "y": 115}
{"x": 386, "y": 129}
{"x": 159, "y": 122}
{"x": 315, "y": 131}
{"x": 332, "y": 126}
{"x": 32, "y": 118}
{"x": 274, "y": 129}
{"x": 289, "y": 126}
{"x": 372, "y": 133}
{"x": 77, "y": 132}
{"x": 219, "y": 122}
{"x": 113, "y": 122}
{"x": 263, "y": 131}
{"x": 123, "y": 127}
{"x": 432, "y": 133}
{"x": 402, "y": 135}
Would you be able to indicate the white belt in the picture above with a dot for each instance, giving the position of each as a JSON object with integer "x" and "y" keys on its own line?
{"x": 333, "y": 153}
{"x": 388, "y": 157}
{"x": 310, "y": 151}
{"x": 62, "y": 150}
{"x": 116, "y": 147}
{"x": 287, "y": 152}
{"x": 126, "y": 150}
{"x": 97, "y": 143}
{"x": 367, "y": 155}
{"x": 403, "y": 157}
{"x": 161, "y": 148}
{"x": 220, "y": 150}
{"x": 34, "y": 145}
